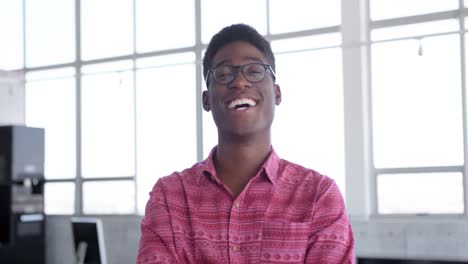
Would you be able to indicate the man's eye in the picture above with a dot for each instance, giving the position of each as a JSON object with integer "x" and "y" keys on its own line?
{"x": 223, "y": 75}
{"x": 254, "y": 73}
{"x": 254, "y": 69}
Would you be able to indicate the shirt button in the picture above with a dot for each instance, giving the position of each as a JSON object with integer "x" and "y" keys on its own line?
{"x": 237, "y": 205}
{"x": 234, "y": 248}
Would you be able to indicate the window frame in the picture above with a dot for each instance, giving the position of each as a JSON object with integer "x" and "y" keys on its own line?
{"x": 361, "y": 174}
{"x": 198, "y": 49}
{"x": 457, "y": 14}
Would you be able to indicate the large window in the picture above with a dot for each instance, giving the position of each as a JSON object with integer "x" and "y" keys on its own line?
{"x": 118, "y": 115}
{"x": 50, "y": 32}
{"x": 214, "y": 16}
{"x": 11, "y": 27}
{"x": 313, "y": 95}
{"x": 417, "y": 106}
{"x": 109, "y": 197}
{"x": 107, "y": 127}
{"x": 421, "y": 193}
{"x": 155, "y": 28}
{"x": 120, "y": 97}
{"x": 107, "y": 28}
{"x": 383, "y": 9}
{"x": 166, "y": 120}
{"x": 51, "y": 104}
{"x": 301, "y": 15}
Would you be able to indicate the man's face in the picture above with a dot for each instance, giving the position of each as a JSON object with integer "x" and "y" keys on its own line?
{"x": 241, "y": 107}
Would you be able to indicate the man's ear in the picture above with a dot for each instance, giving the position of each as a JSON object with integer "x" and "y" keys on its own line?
{"x": 277, "y": 94}
{"x": 206, "y": 101}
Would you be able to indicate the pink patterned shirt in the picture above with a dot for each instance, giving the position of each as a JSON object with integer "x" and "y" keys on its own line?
{"x": 285, "y": 214}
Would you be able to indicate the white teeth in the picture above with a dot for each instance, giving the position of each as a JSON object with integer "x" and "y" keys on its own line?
{"x": 241, "y": 101}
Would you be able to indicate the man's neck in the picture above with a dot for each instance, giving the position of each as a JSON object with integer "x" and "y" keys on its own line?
{"x": 236, "y": 162}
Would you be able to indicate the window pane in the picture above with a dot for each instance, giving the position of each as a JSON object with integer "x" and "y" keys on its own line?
{"x": 112, "y": 36}
{"x": 108, "y": 137}
{"x": 312, "y": 92}
{"x": 12, "y": 98}
{"x": 214, "y": 16}
{"x": 466, "y": 25}
{"x": 51, "y": 104}
{"x": 420, "y": 193}
{"x": 383, "y": 9}
{"x": 419, "y": 29}
{"x": 305, "y": 43}
{"x": 11, "y": 30}
{"x": 50, "y": 32}
{"x": 210, "y": 133}
{"x": 417, "y": 110}
{"x": 166, "y": 120}
{"x": 156, "y": 24}
{"x": 306, "y": 15}
{"x": 109, "y": 197}
{"x": 59, "y": 198}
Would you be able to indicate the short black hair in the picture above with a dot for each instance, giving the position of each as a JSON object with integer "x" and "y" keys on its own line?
{"x": 233, "y": 33}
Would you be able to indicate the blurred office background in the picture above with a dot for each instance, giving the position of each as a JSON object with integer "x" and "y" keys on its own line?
{"x": 374, "y": 95}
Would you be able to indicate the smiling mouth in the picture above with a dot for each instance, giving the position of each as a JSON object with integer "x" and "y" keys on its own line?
{"x": 242, "y": 104}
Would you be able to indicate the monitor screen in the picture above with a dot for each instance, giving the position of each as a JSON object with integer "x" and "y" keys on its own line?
{"x": 88, "y": 240}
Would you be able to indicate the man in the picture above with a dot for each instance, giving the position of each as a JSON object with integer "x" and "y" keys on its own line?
{"x": 244, "y": 204}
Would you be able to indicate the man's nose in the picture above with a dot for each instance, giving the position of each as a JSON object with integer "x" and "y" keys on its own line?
{"x": 240, "y": 81}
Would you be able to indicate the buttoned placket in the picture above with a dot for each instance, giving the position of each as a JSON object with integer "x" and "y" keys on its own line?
{"x": 234, "y": 241}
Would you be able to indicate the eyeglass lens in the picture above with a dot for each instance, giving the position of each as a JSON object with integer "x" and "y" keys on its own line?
{"x": 253, "y": 72}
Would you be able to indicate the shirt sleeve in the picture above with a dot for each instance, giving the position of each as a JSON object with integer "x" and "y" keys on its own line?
{"x": 332, "y": 237}
{"x": 157, "y": 240}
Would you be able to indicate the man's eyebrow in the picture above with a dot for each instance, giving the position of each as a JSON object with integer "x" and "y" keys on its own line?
{"x": 219, "y": 63}
{"x": 253, "y": 59}
{"x": 245, "y": 58}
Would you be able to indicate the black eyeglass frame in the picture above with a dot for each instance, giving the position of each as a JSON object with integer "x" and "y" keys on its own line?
{"x": 240, "y": 68}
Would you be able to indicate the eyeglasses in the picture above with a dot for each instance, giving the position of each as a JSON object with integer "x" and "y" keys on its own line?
{"x": 252, "y": 72}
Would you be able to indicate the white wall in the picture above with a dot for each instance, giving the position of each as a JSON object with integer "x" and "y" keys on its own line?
{"x": 12, "y": 98}
{"x": 426, "y": 239}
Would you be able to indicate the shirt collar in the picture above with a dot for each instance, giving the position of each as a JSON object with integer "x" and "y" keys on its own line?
{"x": 208, "y": 166}
{"x": 270, "y": 166}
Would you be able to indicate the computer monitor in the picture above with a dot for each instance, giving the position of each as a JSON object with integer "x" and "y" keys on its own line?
{"x": 88, "y": 238}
